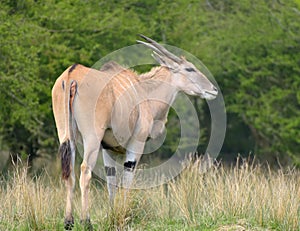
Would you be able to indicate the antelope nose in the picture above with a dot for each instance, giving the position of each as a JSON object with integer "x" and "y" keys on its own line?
{"x": 215, "y": 89}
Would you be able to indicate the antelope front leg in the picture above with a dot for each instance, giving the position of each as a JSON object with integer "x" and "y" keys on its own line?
{"x": 135, "y": 147}
{"x": 129, "y": 171}
{"x": 110, "y": 170}
{"x": 133, "y": 155}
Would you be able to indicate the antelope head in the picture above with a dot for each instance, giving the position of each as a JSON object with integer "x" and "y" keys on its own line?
{"x": 185, "y": 76}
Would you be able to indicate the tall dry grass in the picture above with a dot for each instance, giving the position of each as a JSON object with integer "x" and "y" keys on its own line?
{"x": 244, "y": 197}
{"x": 250, "y": 193}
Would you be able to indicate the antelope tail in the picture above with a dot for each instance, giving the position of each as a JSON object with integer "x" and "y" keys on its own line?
{"x": 66, "y": 156}
{"x": 68, "y": 145}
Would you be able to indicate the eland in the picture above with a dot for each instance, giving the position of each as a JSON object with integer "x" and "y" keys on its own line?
{"x": 116, "y": 111}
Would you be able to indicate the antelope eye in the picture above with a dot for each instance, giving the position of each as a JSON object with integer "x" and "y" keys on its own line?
{"x": 190, "y": 69}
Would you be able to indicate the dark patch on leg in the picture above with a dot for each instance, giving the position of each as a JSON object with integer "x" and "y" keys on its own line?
{"x": 65, "y": 156}
{"x": 63, "y": 85}
{"x": 69, "y": 223}
{"x": 129, "y": 165}
{"x": 73, "y": 67}
{"x": 110, "y": 171}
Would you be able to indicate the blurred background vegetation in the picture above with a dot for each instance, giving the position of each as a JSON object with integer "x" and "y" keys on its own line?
{"x": 252, "y": 47}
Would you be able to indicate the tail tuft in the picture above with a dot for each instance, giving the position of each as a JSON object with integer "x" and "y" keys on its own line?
{"x": 65, "y": 156}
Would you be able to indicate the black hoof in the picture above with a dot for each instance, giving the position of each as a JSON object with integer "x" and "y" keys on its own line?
{"x": 87, "y": 225}
{"x": 69, "y": 223}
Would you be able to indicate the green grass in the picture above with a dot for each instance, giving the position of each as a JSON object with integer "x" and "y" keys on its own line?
{"x": 245, "y": 197}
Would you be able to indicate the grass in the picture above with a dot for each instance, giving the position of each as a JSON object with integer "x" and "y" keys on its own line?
{"x": 244, "y": 197}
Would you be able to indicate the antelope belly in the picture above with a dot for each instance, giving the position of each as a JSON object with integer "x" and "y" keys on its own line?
{"x": 110, "y": 142}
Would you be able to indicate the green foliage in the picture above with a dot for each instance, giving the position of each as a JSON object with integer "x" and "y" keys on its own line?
{"x": 23, "y": 92}
{"x": 251, "y": 47}
{"x": 261, "y": 73}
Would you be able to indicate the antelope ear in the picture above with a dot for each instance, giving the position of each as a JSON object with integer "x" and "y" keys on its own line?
{"x": 164, "y": 61}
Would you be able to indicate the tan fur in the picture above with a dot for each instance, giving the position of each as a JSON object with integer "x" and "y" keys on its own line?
{"x": 119, "y": 109}
{"x": 99, "y": 97}
{"x": 58, "y": 94}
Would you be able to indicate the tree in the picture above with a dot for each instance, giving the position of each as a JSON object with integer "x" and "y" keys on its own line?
{"x": 251, "y": 47}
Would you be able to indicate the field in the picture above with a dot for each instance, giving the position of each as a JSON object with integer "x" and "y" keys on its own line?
{"x": 244, "y": 197}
